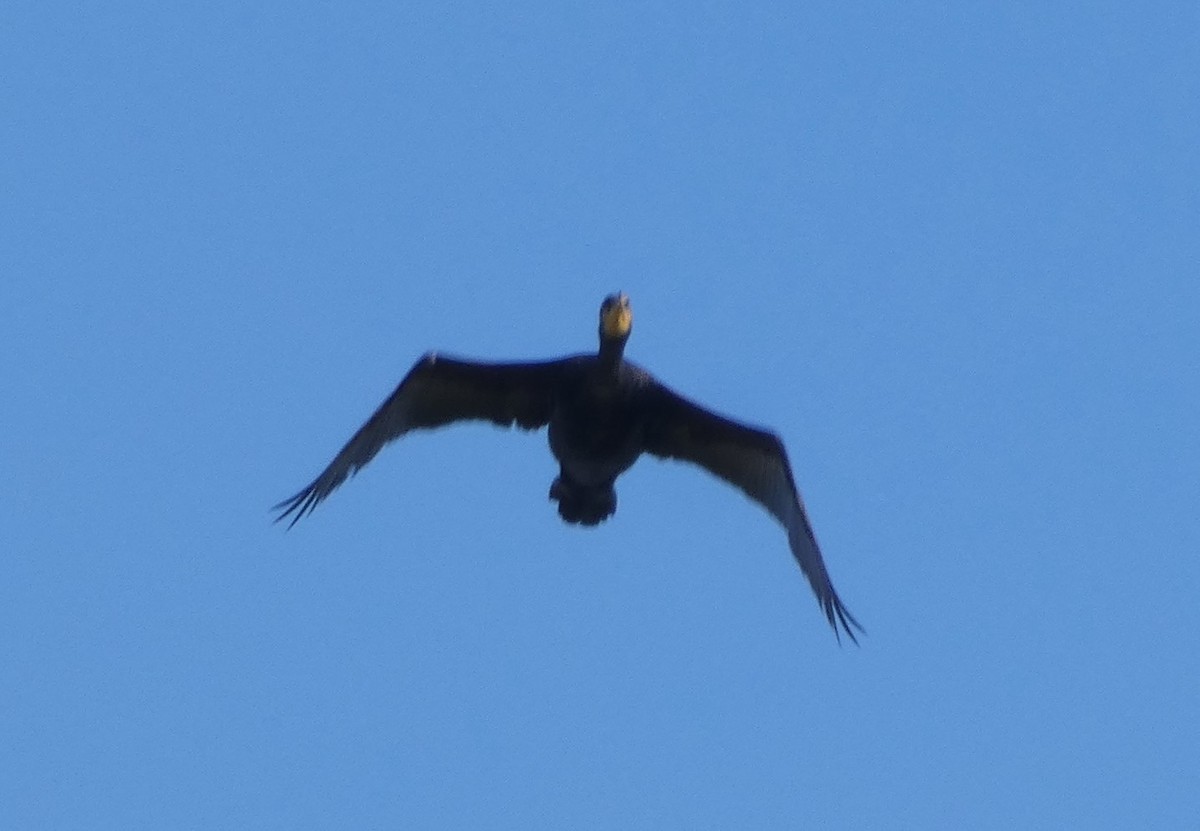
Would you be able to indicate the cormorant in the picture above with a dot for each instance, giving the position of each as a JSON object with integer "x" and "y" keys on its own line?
{"x": 603, "y": 413}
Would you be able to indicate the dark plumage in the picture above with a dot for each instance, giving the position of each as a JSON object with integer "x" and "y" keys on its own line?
{"x": 603, "y": 413}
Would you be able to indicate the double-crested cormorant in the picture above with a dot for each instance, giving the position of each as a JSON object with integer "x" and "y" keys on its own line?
{"x": 603, "y": 413}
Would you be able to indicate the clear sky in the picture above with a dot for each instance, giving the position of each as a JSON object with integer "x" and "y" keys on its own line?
{"x": 950, "y": 255}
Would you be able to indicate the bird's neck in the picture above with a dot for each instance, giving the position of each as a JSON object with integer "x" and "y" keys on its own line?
{"x": 612, "y": 351}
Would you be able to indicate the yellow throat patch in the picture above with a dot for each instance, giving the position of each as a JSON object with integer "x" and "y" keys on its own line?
{"x": 616, "y": 318}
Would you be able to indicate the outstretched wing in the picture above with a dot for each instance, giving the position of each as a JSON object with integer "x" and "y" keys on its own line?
{"x": 754, "y": 461}
{"x": 438, "y": 391}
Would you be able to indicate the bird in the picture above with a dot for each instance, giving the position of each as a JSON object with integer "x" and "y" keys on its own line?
{"x": 602, "y": 413}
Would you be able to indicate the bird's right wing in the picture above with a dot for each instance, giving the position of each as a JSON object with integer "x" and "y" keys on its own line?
{"x": 438, "y": 391}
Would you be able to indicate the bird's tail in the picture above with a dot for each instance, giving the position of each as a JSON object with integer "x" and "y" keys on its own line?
{"x": 581, "y": 505}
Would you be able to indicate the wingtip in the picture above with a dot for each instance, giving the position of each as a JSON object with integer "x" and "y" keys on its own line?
{"x": 295, "y": 507}
{"x": 841, "y": 620}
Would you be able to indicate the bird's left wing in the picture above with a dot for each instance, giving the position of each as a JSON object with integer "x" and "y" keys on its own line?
{"x": 754, "y": 461}
{"x": 438, "y": 391}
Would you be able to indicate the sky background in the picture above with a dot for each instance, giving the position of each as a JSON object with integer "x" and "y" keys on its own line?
{"x": 950, "y": 255}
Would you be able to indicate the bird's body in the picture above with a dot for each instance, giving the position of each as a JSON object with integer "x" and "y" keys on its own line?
{"x": 596, "y": 432}
{"x": 603, "y": 412}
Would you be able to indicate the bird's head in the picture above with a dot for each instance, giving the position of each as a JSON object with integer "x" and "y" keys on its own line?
{"x": 616, "y": 317}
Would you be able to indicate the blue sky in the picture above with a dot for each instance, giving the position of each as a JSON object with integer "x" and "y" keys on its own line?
{"x": 950, "y": 255}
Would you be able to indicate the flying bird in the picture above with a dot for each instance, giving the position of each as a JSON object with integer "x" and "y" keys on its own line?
{"x": 603, "y": 412}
